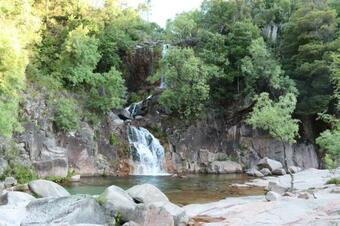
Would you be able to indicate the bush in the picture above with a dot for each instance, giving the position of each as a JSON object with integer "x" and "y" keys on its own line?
{"x": 67, "y": 116}
{"x": 114, "y": 140}
{"x": 334, "y": 181}
{"x": 22, "y": 174}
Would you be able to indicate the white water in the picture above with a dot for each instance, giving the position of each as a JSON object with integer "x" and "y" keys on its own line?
{"x": 165, "y": 48}
{"x": 147, "y": 152}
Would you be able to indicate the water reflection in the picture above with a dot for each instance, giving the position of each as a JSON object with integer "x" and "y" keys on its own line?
{"x": 191, "y": 189}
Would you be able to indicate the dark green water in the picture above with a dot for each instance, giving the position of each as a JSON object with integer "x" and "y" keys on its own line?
{"x": 187, "y": 190}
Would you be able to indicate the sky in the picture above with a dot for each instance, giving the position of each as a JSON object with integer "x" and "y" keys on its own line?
{"x": 161, "y": 10}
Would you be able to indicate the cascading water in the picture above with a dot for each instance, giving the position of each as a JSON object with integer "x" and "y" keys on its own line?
{"x": 147, "y": 152}
{"x": 165, "y": 48}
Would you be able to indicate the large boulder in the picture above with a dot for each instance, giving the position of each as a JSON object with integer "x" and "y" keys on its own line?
{"x": 276, "y": 187}
{"x": 254, "y": 173}
{"x": 271, "y": 164}
{"x": 55, "y": 167}
{"x": 179, "y": 215}
{"x": 45, "y": 188}
{"x": 266, "y": 172}
{"x": 147, "y": 193}
{"x": 15, "y": 197}
{"x": 78, "y": 209}
{"x": 279, "y": 172}
{"x": 224, "y": 167}
{"x": 152, "y": 215}
{"x": 116, "y": 200}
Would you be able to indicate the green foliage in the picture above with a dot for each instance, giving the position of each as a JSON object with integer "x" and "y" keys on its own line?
{"x": 66, "y": 116}
{"x": 329, "y": 140}
{"x": 187, "y": 81}
{"x": 108, "y": 91}
{"x": 79, "y": 58}
{"x": 307, "y": 42}
{"x": 114, "y": 140}
{"x": 18, "y": 30}
{"x": 22, "y": 174}
{"x": 334, "y": 181}
{"x": 275, "y": 117}
{"x": 262, "y": 72}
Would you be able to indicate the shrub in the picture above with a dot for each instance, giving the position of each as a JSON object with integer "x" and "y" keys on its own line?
{"x": 22, "y": 174}
{"x": 334, "y": 181}
{"x": 67, "y": 116}
{"x": 114, "y": 140}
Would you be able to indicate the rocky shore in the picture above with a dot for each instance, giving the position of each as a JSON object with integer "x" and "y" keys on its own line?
{"x": 312, "y": 202}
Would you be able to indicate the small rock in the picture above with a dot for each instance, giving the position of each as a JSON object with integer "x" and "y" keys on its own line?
{"x": 45, "y": 188}
{"x": 279, "y": 172}
{"x": 336, "y": 190}
{"x": 270, "y": 164}
{"x": 75, "y": 178}
{"x": 272, "y": 196}
{"x": 266, "y": 172}
{"x": 275, "y": 187}
{"x": 10, "y": 182}
{"x": 289, "y": 194}
{"x": 131, "y": 223}
{"x": 21, "y": 187}
{"x": 254, "y": 173}
{"x": 304, "y": 195}
{"x": 294, "y": 169}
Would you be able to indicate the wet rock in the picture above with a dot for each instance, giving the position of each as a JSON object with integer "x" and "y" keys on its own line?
{"x": 276, "y": 187}
{"x": 271, "y": 164}
{"x": 115, "y": 120}
{"x": 78, "y": 209}
{"x": 266, "y": 172}
{"x": 254, "y": 173}
{"x": 45, "y": 188}
{"x": 10, "y": 182}
{"x": 304, "y": 195}
{"x": 289, "y": 194}
{"x": 75, "y": 178}
{"x": 179, "y": 215}
{"x": 15, "y": 197}
{"x": 224, "y": 167}
{"x": 279, "y": 172}
{"x": 147, "y": 193}
{"x": 272, "y": 196}
{"x": 116, "y": 200}
{"x": 294, "y": 169}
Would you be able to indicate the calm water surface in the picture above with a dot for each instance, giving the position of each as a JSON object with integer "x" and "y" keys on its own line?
{"x": 183, "y": 191}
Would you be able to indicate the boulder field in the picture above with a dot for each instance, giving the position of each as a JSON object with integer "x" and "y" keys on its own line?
{"x": 51, "y": 204}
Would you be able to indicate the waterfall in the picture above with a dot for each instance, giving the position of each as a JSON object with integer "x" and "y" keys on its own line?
{"x": 147, "y": 152}
{"x": 165, "y": 48}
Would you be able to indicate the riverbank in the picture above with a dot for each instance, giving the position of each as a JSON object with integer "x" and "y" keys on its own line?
{"x": 312, "y": 203}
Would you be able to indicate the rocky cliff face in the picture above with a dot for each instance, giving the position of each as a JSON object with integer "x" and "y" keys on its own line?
{"x": 210, "y": 145}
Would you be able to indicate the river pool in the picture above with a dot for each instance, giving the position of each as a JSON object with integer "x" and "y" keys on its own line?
{"x": 187, "y": 190}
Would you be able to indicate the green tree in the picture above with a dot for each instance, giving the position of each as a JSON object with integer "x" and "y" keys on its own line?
{"x": 276, "y": 118}
{"x": 79, "y": 58}
{"x": 109, "y": 91}
{"x": 306, "y": 46}
{"x": 18, "y": 30}
{"x": 186, "y": 77}
{"x": 263, "y": 73}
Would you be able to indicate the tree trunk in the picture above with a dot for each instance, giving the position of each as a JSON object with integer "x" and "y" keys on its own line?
{"x": 286, "y": 166}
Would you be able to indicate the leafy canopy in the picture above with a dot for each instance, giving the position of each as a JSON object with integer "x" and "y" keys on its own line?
{"x": 275, "y": 117}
